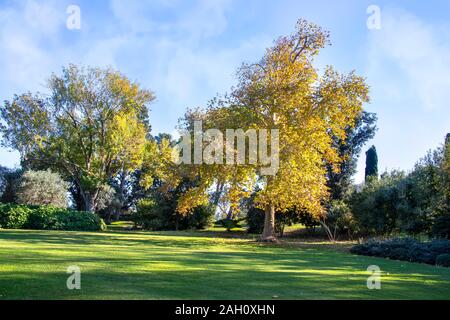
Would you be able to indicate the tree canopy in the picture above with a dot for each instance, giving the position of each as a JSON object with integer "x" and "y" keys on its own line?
{"x": 92, "y": 126}
{"x": 284, "y": 91}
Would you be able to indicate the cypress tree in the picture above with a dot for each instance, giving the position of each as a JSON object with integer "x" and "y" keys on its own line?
{"x": 371, "y": 163}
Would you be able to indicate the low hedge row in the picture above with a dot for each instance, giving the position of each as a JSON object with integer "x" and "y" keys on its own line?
{"x": 435, "y": 252}
{"x": 13, "y": 216}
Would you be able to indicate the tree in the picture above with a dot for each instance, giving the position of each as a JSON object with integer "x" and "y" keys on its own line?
{"x": 284, "y": 91}
{"x": 371, "y": 163}
{"x": 381, "y": 204}
{"x": 42, "y": 188}
{"x": 93, "y": 126}
{"x": 8, "y": 178}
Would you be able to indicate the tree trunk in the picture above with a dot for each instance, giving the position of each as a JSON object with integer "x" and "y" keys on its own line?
{"x": 230, "y": 214}
{"x": 89, "y": 200}
{"x": 331, "y": 236}
{"x": 268, "y": 234}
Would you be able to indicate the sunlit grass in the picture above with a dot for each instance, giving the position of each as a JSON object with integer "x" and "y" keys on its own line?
{"x": 198, "y": 265}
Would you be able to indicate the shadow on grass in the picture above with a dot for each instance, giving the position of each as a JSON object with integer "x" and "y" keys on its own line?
{"x": 170, "y": 266}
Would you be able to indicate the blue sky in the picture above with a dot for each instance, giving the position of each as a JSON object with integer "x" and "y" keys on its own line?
{"x": 187, "y": 51}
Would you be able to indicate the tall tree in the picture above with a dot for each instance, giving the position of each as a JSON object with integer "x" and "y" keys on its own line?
{"x": 339, "y": 182}
{"x": 284, "y": 91}
{"x": 371, "y": 163}
{"x": 93, "y": 126}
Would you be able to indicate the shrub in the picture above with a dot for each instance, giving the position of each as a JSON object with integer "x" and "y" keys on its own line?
{"x": 406, "y": 249}
{"x": 202, "y": 217}
{"x": 78, "y": 221}
{"x": 159, "y": 215}
{"x": 14, "y": 216}
{"x": 148, "y": 217}
{"x": 441, "y": 226}
{"x": 443, "y": 260}
{"x": 255, "y": 220}
{"x": 42, "y": 188}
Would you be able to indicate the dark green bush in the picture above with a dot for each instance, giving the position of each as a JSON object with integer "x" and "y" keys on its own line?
{"x": 78, "y": 221}
{"x": 441, "y": 226}
{"x": 255, "y": 220}
{"x": 228, "y": 223}
{"x": 406, "y": 249}
{"x": 443, "y": 260}
{"x": 159, "y": 215}
{"x": 14, "y": 216}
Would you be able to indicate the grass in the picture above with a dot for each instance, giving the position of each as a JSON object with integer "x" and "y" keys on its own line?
{"x": 199, "y": 265}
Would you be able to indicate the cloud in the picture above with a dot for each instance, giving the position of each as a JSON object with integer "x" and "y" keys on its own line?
{"x": 27, "y": 29}
{"x": 418, "y": 51}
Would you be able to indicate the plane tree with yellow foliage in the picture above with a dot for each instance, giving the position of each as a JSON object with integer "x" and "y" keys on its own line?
{"x": 284, "y": 91}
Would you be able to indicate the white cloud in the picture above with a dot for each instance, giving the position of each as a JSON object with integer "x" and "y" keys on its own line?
{"x": 416, "y": 49}
{"x": 28, "y": 34}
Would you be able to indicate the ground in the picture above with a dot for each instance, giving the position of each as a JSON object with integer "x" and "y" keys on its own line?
{"x": 200, "y": 265}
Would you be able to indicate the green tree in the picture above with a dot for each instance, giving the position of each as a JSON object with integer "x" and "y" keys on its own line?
{"x": 8, "y": 178}
{"x": 93, "y": 126}
{"x": 371, "y": 163}
{"x": 340, "y": 182}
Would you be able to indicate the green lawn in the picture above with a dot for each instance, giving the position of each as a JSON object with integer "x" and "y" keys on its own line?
{"x": 177, "y": 265}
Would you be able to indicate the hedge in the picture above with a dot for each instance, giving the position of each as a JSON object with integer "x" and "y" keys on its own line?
{"x": 13, "y": 216}
{"x": 436, "y": 252}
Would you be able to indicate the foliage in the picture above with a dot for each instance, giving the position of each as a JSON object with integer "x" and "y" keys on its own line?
{"x": 152, "y": 214}
{"x": 340, "y": 182}
{"x": 443, "y": 260}
{"x": 8, "y": 178}
{"x": 42, "y": 188}
{"x": 341, "y": 220}
{"x": 380, "y": 204}
{"x": 13, "y": 216}
{"x": 416, "y": 203}
{"x": 284, "y": 91}
{"x": 229, "y": 224}
{"x": 47, "y": 218}
{"x": 93, "y": 126}
{"x": 441, "y": 226}
{"x": 371, "y": 170}
{"x": 255, "y": 220}
{"x": 405, "y": 249}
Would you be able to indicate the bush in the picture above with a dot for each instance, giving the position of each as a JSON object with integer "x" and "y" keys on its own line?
{"x": 443, "y": 260}
{"x": 255, "y": 220}
{"x": 14, "y": 216}
{"x": 153, "y": 215}
{"x": 228, "y": 224}
{"x": 441, "y": 226}
{"x": 202, "y": 217}
{"x": 405, "y": 249}
{"x": 42, "y": 188}
{"x": 79, "y": 221}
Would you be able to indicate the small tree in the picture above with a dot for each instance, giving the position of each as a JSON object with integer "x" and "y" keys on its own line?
{"x": 371, "y": 163}
{"x": 42, "y": 188}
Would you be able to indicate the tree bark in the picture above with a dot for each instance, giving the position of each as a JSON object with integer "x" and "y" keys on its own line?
{"x": 268, "y": 234}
